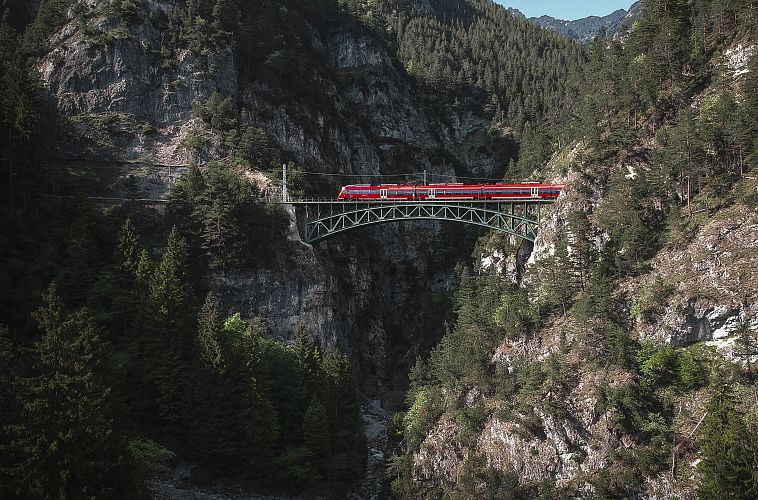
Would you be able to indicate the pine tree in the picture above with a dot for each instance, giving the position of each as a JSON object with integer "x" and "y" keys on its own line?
{"x": 10, "y": 414}
{"x": 170, "y": 331}
{"x": 65, "y": 436}
{"x": 746, "y": 345}
{"x": 308, "y": 357}
{"x": 128, "y": 248}
{"x": 209, "y": 331}
{"x": 316, "y": 435}
{"x": 340, "y": 399}
{"x": 727, "y": 462}
{"x": 170, "y": 291}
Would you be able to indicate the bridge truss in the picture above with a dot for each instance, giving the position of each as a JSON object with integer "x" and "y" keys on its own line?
{"x": 318, "y": 220}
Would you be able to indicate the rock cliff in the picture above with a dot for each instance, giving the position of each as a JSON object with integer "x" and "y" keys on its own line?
{"x": 123, "y": 107}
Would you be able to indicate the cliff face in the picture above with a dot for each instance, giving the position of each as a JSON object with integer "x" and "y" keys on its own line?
{"x": 697, "y": 293}
{"x": 124, "y": 107}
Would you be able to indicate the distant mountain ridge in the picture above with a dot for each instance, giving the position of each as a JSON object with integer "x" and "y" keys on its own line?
{"x": 585, "y": 29}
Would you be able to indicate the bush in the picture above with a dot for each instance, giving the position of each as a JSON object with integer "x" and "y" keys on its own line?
{"x": 690, "y": 373}
{"x": 661, "y": 366}
{"x": 658, "y": 365}
{"x": 650, "y": 299}
{"x": 470, "y": 420}
{"x": 148, "y": 453}
{"x": 424, "y": 412}
{"x": 531, "y": 426}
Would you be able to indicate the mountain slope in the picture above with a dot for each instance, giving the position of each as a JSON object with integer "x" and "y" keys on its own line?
{"x": 585, "y": 29}
{"x": 518, "y": 71}
{"x": 622, "y": 364}
{"x": 200, "y": 102}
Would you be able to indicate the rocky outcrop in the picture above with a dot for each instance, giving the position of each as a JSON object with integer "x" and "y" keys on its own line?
{"x": 561, "y": 448}
{"x": 117, "y": 99}
{"x": 704, "y": 288}
{"x": 123, "y": 104}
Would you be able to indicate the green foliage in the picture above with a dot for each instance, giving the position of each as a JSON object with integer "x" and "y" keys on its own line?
{"x": 455, "y": 47}
{"x": 470, "y": 420}
{"x": 516, "y": 315}
{"x": 234, "y": 325}
{"x": 218, "y": 113}
{"x": 51, "y": 15}
{"x": 251, "y": 147}
{"x": 340, "y": 398}
{"x": 629, "y": 223}
{"x": 222, "y": 209}
{"x": 195, "y": 143}
{"x": 480, "y": 480}
{"x": 9, "y": 369}
{"x": 308, "y": 356}
{"x": 658, "y": 365}
{"x": 63, "y": 442}
{"x": 209, "y": 333}
{"x": 421, "y": 416}
{"x": 690, "y": 372}
{"x": 554, "y": 283}
{"x": 316, "y": 434}
{"x": 148, "y": 453}
{"x": 747, "y": 344}
{"x": 535, "y": 150}
{"x": 199, "y": 26}
{"x": 530, "y": 427}
{"x": 127, "y": 10}
{"x": 649, "y": 301}
{"x": 662, "y": 366}
{"x": 462, "y": 356}
{"x": 727, "y": 450}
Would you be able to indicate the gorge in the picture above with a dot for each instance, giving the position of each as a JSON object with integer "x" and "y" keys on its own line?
{"x": 611, "y": 358}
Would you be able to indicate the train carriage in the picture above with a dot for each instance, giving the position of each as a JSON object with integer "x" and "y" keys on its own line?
{"x": 432, "y": 192}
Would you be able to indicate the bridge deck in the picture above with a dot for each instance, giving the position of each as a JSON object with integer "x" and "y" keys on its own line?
{"x": 323, "y": 201}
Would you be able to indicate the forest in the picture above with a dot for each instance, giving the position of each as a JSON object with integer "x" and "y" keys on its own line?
{"x": 116, "y": 356}
{"x": 631, "y": 99}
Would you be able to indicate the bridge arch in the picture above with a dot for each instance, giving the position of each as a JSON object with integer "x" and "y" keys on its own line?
{"x": 319, "y": 220}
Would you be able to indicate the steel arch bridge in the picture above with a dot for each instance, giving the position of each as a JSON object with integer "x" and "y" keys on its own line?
{"x": 321, "y": 219}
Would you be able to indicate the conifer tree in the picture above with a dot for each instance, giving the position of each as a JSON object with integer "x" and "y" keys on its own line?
{"x": 727, "y": 460}
{"x": 316, "y": 435}
{"x": 128, "y": 248}
{"x": 308, "y": 357}
{"x": 348, "y": 440}
{"x": 65, "y": 437}
{"x": 209, "y": 331}
{"x": 747, "y": 345}
{"x": 9, "y": 371}
{"x": 170, "y": 331}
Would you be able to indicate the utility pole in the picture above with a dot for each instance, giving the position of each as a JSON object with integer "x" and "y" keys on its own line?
{"x": 285, "y": 195}
{"x": 689, "y": 195}
{"x": 425, "y": 184}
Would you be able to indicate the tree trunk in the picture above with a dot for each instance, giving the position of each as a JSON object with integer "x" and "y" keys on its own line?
{"x": 10, "y": 169}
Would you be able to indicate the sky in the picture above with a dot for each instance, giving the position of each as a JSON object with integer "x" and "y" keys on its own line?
{"x": 567, "y": 9}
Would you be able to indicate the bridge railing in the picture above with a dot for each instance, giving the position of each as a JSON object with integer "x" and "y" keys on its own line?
{"x": 277, "y": 198}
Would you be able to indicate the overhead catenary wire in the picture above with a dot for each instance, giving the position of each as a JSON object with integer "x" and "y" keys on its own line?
{"x": 329, "y": 174}
{"x": 463, "y": 177}
{"x": 417, "y": 176}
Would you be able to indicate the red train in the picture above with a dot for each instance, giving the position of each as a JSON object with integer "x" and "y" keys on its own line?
{"x": 527, "y": 191}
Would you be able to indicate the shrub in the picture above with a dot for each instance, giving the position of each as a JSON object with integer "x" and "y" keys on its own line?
{"x": 425, "y": 410}
{"x": 658, "y": 365}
